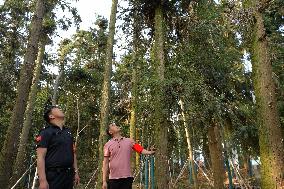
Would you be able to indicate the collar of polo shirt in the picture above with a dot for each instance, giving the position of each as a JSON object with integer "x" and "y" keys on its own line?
{"x": 116, "y": 139}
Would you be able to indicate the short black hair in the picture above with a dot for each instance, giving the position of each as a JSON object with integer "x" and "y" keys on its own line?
{"x": 47, "y": 112}
{"x": 107, "y": 132}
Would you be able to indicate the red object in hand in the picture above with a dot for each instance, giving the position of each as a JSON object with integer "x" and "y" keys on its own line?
{"x": 137, "y": 148}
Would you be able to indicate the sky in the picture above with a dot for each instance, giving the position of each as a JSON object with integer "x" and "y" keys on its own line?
{"x": 88, "y": 9}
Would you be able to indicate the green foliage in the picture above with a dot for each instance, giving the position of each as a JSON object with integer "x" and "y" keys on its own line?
{"x": 204, "y": 65}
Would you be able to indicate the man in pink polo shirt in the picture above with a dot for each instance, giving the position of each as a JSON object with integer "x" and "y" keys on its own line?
{"x": 117, "y": 153}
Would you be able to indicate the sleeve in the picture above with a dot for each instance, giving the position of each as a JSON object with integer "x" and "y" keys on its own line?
{"x": 137, "y": 148}
{"x": 106, "y": 151}
{"x": 43, "y": 139}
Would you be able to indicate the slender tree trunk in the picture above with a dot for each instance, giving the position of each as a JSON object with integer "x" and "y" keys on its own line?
{"x": 133, "y": 113}
{"x": 226, "y": 135}
{"x": 161, "y": 123}
{"x": 134, "y": 93}
{"x": 206, "y": 151}
{"x": 105, "y": 99}
{"x": 20, "y": 163}
{"x": 56, "y": 85}
{"x": 189, "y": 146}
{"x": 137, "y": 158}
{"x": 270, "y": 138}
{"x": 9, "y": 149}
{"x": 216, "y": 155}
{"x": 245, "y": 157}
{"x": 65, "y": 48}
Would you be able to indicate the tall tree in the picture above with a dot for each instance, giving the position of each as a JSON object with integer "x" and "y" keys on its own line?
{"x": 64, "y": 49}
{"x": 12, "y": 136}
{"x": 105, "y": 96}
{"x": 160, "y": 114}
{"x": 270, "y": 137}
{"x": 20, "y": 162}
{"x": 12, "y": 40}
{"x": 134, "y": 82}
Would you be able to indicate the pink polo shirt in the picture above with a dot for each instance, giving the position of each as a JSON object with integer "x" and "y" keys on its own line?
{"x": 119, "y": 153}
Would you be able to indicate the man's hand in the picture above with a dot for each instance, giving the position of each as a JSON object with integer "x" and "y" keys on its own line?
{"x": 43, "y": 185}
{"x": 76, "y": 179}
{"x": 152, "y": 150}
{"x": 104, "y": 185}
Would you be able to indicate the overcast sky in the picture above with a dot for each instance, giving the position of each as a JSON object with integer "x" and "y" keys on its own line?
{"x": 87, "y": 9}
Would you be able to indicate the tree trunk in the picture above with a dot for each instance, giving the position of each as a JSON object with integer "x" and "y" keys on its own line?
{"x": 189, "y": 146}
{"x": 270, "y": 138}
{"x": 133, "y": 113}
{"x": 9, "y": 149}
{"x": 56, "y": 85}
{"x": 216, "y": 155}
{"x": 105, "y": 99}
{"x": 20, "y": 163}
{"x": 134, "y": 93}
{"x": 206, "y": 151}
{"x": 65, "y": 47}
{"x": 161, "y": 123}
{"x": 227, "y": 135}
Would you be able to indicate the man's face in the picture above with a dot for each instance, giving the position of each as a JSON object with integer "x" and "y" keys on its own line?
{"x": 113, "y": 128}
{"x": 56, "y": 113}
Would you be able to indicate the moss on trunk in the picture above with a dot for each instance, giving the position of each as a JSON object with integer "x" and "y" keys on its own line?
{"x": 8, "y": 153}
{"x": 20, "y": 163}
{"x": 216, "y": 156}
{"x": 161, "y": 123}
{"x": 105, "y": 98}
{"x": 270, "y": 137}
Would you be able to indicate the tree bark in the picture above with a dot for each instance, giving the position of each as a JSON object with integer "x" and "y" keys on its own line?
{"x": 206, "y": 151}
{"x": 216, "y": 155}
{"x": 9, "y": 149}
{"x": 65, "y": 48}
{"x": 270, "y": 138}
{"x": 161, "y": 122}
{"x": 133, "y": 113}
{"x": 56, "y": 85}
{"x": 105, "y": 99}
{"x": 20, "y": 163}
{"x": 134, "y": 91}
